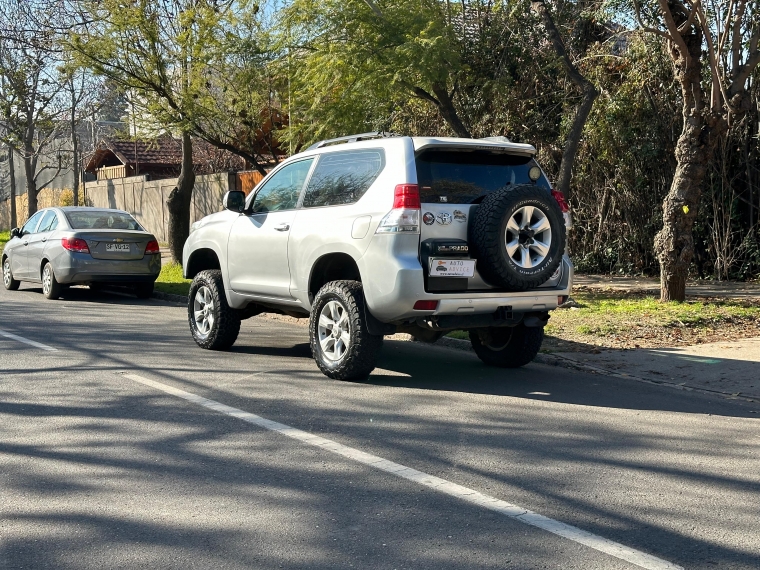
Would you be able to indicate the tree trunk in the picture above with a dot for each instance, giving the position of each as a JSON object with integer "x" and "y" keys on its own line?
{"x": 178, "y": 202}
{"x": 31, "y": 188}
{"x": 702, "y": 128}
{"x": 75, "y": 160}
{"x": 12, "y": 175}
{"x": 584, "y": 109}
{"x": 449, "y": 113}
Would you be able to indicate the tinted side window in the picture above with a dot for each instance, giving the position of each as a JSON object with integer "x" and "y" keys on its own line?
{"x": 31, "y": 223}
{"x": 464, "y": 177}
{"x": 47, "y": 222}
{"x": 343, "y": 177}
{"x": 282, "y": 190}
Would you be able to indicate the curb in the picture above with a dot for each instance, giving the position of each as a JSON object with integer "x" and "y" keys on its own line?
{"x": 179, "y": 299}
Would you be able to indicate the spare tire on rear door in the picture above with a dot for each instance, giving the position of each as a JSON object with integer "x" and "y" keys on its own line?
{"x": 518, "y": 237}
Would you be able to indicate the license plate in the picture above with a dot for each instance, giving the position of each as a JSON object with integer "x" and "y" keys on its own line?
{"x": 452, "y": 267}
{"x": 119, "y": 247}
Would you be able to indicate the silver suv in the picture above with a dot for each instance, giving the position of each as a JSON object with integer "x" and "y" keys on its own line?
{"x": 375, "y": 234}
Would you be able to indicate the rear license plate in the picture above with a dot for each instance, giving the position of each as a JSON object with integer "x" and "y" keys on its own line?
{"x": 452, "y": 267}
{"x": 118, "y": 247}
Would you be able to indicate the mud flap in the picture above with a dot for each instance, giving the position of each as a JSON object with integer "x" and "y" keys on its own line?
{"x": 376, "y": 327}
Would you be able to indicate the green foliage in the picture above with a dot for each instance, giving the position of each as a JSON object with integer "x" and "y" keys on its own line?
{"x": 351, "y": 67}
{"x": 189, "y": 65}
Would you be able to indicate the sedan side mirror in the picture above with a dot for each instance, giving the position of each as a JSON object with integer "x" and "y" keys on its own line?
{"x": 15, "y": 232}
{"x": 234, "y": 200}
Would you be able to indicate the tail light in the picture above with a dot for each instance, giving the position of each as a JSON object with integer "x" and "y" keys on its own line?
{"x": 406, "y": 196}
{"x": 152, "y": 247}
{"x": 426, "y": 305}
{"x": 77, "y": 245}
{"x": 405, "y": 215}
{"x": 560, "y": 198}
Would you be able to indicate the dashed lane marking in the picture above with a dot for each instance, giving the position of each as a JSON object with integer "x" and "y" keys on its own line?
{"x": 27, "y": 341}
{"x": 514, "y": 512}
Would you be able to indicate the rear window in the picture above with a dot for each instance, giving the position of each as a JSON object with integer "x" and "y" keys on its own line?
{"x": 343, "y": 177}
{"x": 466, "y": 177}
{"x": 102, "y": 221}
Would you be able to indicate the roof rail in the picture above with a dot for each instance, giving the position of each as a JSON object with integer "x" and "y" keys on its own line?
{"x": 353, "y": 138}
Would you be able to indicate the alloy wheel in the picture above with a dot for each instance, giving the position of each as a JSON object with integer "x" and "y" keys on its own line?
{"x": 528, "y": 237}
{"x": 7, "y": 275}
{"x": 203, "y": 311}
{"x": 47, "y": 280}
{"x": 334, "y": 330}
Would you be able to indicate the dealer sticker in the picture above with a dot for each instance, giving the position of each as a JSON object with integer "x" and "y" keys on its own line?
{"x": 452, "y": 267}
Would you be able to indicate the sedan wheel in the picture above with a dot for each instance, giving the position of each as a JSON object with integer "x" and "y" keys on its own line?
{"x": 8, "y": 281}
{"x": 50, "y": 287}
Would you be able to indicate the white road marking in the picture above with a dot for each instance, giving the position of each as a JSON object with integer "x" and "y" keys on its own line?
{"x": 27, "y": 341}
{"x": 515, "y": 512}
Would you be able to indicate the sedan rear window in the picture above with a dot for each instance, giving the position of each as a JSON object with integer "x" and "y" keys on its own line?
{"x": 466, "y": 177}
{"x": 102, "y": 221}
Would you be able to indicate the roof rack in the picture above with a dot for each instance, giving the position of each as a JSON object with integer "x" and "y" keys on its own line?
{"x": 353, "y": 138}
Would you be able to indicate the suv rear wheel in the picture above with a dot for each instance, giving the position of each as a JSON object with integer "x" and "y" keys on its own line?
{"x": 340, "y": 343}
{"x": 214, "y": 324}
{"x": 507, "y": 347}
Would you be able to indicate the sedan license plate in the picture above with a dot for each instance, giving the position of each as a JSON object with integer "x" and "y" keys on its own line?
{"x": 117, "y": 247}
{"x": 452, "y": 267}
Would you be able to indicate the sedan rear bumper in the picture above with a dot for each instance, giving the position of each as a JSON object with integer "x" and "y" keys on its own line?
{"x": 73, "y": 268}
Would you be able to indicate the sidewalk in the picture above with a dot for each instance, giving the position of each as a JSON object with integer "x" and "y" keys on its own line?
{"x": 694, "y": 288}
{"x": 731, "y": 368}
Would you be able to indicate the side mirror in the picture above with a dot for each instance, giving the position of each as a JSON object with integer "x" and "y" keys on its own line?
{"x": 234, "y": 200}
{"x": 15, "y": 232}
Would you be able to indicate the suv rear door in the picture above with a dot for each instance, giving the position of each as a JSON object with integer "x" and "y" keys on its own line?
{"x": 452, "y": 183}
{"x": 257, "y": 252}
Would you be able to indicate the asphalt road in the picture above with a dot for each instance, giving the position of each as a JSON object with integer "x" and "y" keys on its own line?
{"x": 104, "y": 464}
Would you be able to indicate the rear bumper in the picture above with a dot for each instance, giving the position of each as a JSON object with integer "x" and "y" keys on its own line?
{"x": 393, "y": 303}
{"x": 82, "y": 268}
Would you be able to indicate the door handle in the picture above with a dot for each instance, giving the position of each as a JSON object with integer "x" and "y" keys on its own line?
{"x": 282, "y": 227}
{"x": 44, "y": 239}
{"x": 26, "y": 243}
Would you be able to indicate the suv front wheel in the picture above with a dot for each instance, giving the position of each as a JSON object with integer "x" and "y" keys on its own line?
{"x": 214, "y": 324}
{"x": 340, "y": 342}
{"x": 507, "y": 347}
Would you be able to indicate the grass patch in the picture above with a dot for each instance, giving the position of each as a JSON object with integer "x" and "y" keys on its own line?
{"x": 170, "y": 280}
{"x": 4, "y": 238}
{"x": 632, "y": 320}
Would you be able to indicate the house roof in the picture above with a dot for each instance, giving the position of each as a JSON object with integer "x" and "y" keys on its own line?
{"x": 163, "y": 150}
{"x": 166, "y": 152}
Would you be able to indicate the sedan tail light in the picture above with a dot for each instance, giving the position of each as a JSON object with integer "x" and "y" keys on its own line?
{"x": 77, "y": 245}
{"x": 152, "y": 247}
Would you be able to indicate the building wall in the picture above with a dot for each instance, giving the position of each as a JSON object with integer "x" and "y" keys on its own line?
{"x": 146, "y": 199}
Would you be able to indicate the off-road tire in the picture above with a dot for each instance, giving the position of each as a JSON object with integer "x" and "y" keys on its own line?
{"x": 361, "y": 356}
{"x": 487, "y": 235}
{"x": 144, "y": 290}
{"x": 226, "y": 326}
{"x": 50, "y": 286}
{"x": 508, "y": 347}
{"x": 8, "y": 281}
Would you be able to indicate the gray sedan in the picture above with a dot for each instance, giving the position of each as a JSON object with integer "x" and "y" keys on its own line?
{"x": 71, "y": 246}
